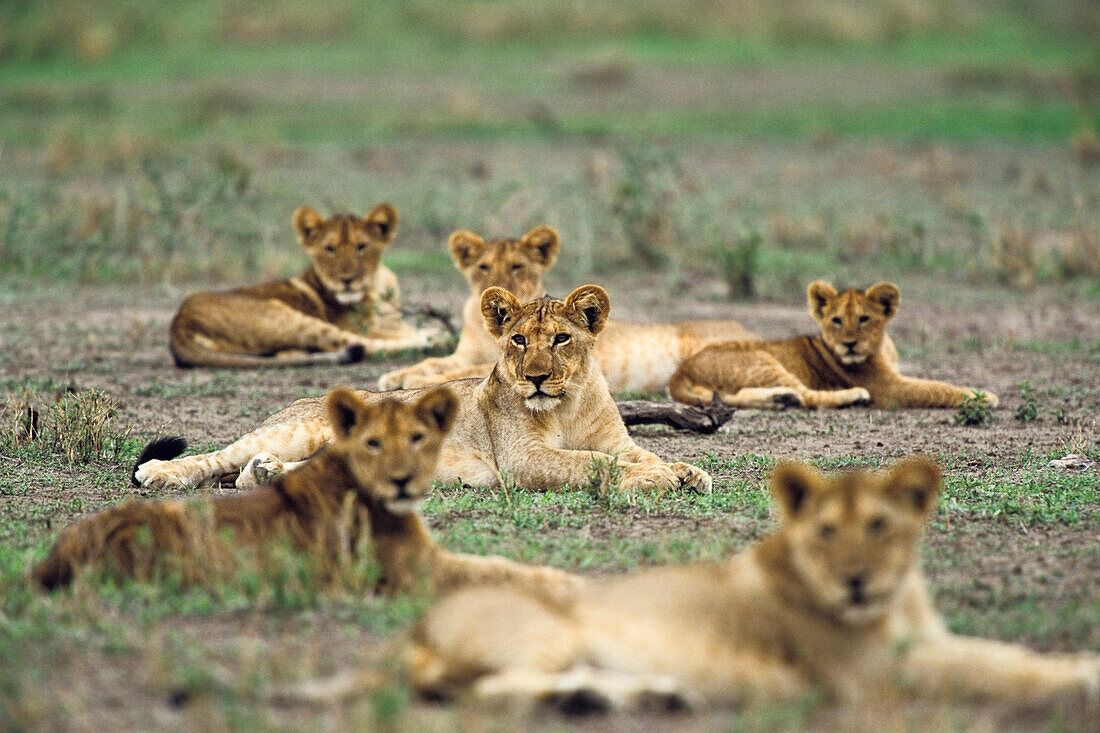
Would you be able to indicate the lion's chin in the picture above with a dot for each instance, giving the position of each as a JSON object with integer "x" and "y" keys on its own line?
{"x": 541, "y": 402}
{"x": 864, "y": 613}
{"x": 852, "y": 358}
{"x": 348, "y": 298}
{"x": 403, "y": 506}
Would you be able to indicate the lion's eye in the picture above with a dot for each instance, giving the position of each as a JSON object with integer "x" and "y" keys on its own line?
{"x": 330, "y": 250}
{"x": 562, "y": 338}
{"x": 374, "y": 443}
{"x": 826, "y": 532}
{"x": 517, "y": 268}
{"x": 837, "y": 321}
{"x": 876, "y": 526}
{"x": 864, "y": 319}
{"x": 519, "y": 340}
{"x": 483, "y": 268}
{"x": 362, "y": 248}
{"x": 416, "y": 438}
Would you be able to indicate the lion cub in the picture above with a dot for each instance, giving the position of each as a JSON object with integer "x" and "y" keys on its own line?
{"x": 833, "y": 600}
{"x": 634, "y": 357}
{"x": 847, "y": 364}
{"x": 305, "y": 320}
{"x": 366, "y": 483}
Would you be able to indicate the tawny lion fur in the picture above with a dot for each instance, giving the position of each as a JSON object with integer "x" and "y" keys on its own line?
{"x": 541, "y": 419}
{"x": 848, "y": 363}
{"x": 834, "y": 601}
{"x": 307, "y": 319}
{"x": 632, "y": 356}
{"x": 366, "y": 483}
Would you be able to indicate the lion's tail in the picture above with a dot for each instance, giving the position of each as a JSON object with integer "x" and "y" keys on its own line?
{"x": 161, "y": 449}
{"x": 83, "y": 542}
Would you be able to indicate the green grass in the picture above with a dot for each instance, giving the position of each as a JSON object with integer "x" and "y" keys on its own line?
{"x": 1008, "y": 53}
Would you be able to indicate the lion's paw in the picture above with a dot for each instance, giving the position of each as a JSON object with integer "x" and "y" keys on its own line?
{"x": 787, "y": 398}
{"x": 648, "y": 477}
{"x": 391, "y": 381}
{"x": 262, "y": 469}
{"x": 404, "y": 379}
{"x": 692, "y": 477}
{"x": 156, "y": 474}
{"x": 857, "y": 397}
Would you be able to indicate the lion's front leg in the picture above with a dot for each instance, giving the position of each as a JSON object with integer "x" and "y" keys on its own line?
{"x": 287, "y": 442}
{"x": 898, "y": 391}
{"x": 955, "y": 666}
{"x": 542, "y": 468}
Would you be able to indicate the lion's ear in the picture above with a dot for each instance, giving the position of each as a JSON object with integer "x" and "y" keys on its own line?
{"x": 589, "y": 306}
{"x": 792, "y": 484}
{"x": 438, "y": 408}
{"x": 885, "y": 294}
{"x": 914, "y": 484}
{"x": 465, "y": 248}
{"x": 306, "y": 222}
{"x": 381, "y": 222}
{"x": 818, "y": 296}
{"x": 499, "y": 308}
{"x": 346, "y": 411}
{"x": 542, "y": 244}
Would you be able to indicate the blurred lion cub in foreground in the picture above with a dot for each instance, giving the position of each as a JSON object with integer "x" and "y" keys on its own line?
{"x": 848, "y": 363}
{"x": 833, "y": 600}
{"x": 367, "y": 482}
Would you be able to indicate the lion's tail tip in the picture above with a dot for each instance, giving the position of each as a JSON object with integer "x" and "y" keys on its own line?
{"x": 161, "y": 449}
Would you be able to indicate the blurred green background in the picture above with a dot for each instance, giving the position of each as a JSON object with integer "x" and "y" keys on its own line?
{"x": 171, "y": 140}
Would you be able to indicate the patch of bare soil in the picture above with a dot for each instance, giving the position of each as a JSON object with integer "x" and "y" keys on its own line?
{"x": 100, "y": 339}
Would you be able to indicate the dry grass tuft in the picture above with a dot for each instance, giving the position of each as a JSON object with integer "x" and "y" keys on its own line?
{"x": 1022, "y": 257}
{"x": 80, "y": 426}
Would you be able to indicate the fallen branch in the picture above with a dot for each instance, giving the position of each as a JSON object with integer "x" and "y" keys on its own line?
{"x": 677, "y": 415}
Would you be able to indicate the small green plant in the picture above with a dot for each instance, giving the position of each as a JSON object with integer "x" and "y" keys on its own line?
{"x": 1062, "y": 415}
{"x": 1028, "y": 409}
{"x": 974, "y": 410}
{"x": 739, "y": 263}
{"x": 605, "y": 475}
{"x": 508, "y": 486}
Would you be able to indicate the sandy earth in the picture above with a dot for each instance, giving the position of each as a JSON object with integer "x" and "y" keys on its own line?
{"x": 100, "y": 339}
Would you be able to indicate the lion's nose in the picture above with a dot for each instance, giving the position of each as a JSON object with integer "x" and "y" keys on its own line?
{"x": 537, "y": 379}
{"x": 401, "y": 484}
{"x": 850, "y": 344}
{"x": 856, "y": 587}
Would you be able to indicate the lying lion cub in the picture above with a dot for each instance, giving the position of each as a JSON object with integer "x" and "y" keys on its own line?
{"x": 543, "y": 418}
{"x": 848, "y": 364}
{"x": 633, "y": 356}
{"x": 374, "y": 473}
{"x": 305, "y": 320}
{"x": 833, "y": 600}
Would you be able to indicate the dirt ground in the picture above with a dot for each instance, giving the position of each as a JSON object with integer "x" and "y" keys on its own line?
{"x": 98, "y": 338}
